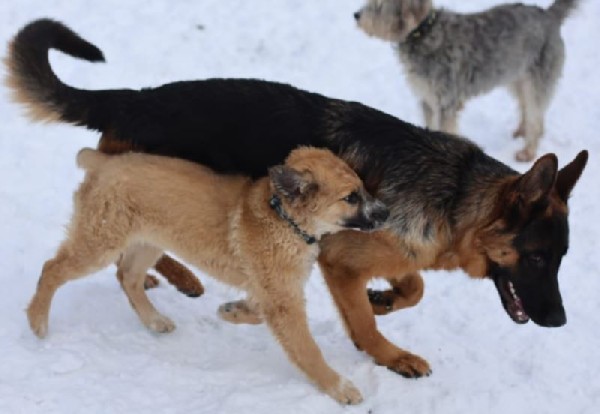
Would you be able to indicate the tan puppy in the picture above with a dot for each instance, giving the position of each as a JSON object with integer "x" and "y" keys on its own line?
{"x": 256, "y": 235}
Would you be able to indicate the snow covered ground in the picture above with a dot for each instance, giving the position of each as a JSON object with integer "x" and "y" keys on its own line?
{"x": 98, "y": 358}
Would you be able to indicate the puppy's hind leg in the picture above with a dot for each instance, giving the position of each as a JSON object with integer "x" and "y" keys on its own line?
{"x": 74, "y": 259}
{"x": 131, "y": 272}
{"x": 284, "y": 312}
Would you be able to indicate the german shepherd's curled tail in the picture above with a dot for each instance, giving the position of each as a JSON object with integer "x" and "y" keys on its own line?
{"x": 34, "y": 84}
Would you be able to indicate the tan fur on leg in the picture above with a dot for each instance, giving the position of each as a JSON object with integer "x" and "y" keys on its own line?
{"x": 132, "y": 272}
{"x": 284, "y": 314}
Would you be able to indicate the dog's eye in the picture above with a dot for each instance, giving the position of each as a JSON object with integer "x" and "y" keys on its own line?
{"x": 352, "y": 198}
{"x": 537, "y": 260}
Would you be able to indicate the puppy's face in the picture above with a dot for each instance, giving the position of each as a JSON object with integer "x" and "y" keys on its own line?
{"x": 392, "y": 20}
{"x": 320, "y": 188}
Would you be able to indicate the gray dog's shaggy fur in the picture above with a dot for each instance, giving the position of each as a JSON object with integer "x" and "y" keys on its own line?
{"x": 450, "y": 57}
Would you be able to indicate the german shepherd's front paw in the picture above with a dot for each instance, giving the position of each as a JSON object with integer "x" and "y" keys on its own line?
{"x": 410, "y": 366}
{"x": 405, "y": 293}
{"x": 345, "y": 393}
{"x": 382, "y": 301}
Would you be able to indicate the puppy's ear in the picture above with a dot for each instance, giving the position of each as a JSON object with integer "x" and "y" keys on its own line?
{"x": 535, "y": 184}
{"x": 290, "y": 183}
{"x": 569, "y": 174}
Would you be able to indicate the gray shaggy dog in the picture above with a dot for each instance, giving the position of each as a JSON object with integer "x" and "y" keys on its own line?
{"x": 451, "y": 57}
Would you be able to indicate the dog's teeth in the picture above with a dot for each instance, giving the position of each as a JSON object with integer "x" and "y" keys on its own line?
{"x": 512, "y": 289}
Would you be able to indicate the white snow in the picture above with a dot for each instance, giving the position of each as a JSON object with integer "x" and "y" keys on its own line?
{"x": 98, "y": 358}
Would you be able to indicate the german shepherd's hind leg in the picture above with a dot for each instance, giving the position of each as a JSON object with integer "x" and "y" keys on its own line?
{"x": 179, "y": 276}
{"x": 406, "y": 291}
{"x": 285, "y": 314}
{"x": 73, "y": 260}
{"x": 240, "y": 312}
{"x": 131, "y": 273}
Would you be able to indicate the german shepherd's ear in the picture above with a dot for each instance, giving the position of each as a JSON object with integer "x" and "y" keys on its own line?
{"x": 291, "y": 183}
{"x": 535, "y": 184}
{"x": 569, "y": 174}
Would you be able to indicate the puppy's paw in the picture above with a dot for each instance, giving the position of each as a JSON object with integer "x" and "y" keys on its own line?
{"x": 238, "y": 312}
{"x": 410, "y": 366}
{"x": 525, "y": 155}
{"x": 38, "y": 320}
{"x": 161, "y": 324}
{"x": 345, "y": 393}
{"x": 39, "y": 327}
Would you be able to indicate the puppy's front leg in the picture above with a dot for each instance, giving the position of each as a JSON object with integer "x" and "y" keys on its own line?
{"x": 284, "y": 312}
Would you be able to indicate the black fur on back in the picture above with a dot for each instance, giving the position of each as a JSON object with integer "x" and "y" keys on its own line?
{"x": 245, "y": 126}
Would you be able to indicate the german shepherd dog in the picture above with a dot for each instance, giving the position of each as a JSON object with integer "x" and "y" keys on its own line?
{"x": 451, "y": 205}
{"x": 260, "y": 236}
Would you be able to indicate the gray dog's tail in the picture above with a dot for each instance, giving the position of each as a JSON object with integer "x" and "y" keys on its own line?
{"x": 561, "y": 9}
{"x": 33, "y": 82}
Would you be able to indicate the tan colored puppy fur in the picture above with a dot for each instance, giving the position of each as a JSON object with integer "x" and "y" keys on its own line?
{"x": 130, "y": 208}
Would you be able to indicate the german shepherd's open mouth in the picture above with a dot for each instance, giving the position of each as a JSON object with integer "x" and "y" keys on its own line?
{"x": 510, "y": 300}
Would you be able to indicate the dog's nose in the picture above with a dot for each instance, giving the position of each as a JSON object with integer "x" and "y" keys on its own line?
{"x": 357, "y": 15}
{"x": 555, "y": 319}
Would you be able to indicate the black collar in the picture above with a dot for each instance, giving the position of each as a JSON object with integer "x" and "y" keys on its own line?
{"x": 424, "y": 27}
{"x": 277, "y": 205}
